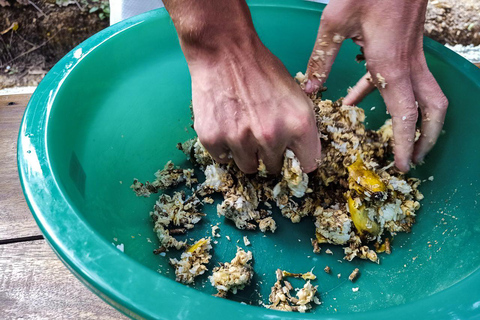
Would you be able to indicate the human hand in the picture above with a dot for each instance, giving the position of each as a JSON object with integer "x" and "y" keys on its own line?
{"x": 245, "y": 103}
{"x": 391, "y": 34}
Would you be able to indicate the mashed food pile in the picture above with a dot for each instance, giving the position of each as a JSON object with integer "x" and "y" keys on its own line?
{"x": 356, "y": 199}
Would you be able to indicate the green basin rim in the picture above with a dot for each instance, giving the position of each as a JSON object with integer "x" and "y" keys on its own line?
{"x": 44, "y": 195}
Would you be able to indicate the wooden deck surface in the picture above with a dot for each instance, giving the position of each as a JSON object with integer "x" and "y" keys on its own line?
{"x": 34, "y": 283}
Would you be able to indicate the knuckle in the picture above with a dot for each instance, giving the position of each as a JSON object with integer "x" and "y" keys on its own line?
{"x": 268, "y": 135}
{"x": 405, "y": 110}
{"x": 442, "y": 103}
{"x": 394, "y": 75}
{"x": 305, "y": 124}
{"x": 303, "y": 116}
{"x": 411, "y": 116}
{"x": 398, "y": 58}
{"x": 209, "y": 139}
{"x": 406, "y": 115}
{"x": 330, "y": 21}
{"x": 239, "y": 136}
{"x": 298, "y": 126}
{"x": 392, "y": 69}
{"x": 243, "y": 135}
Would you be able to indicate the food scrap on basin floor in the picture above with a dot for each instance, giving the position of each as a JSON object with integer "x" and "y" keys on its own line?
{"x": 233, "y": 276}
{"x": 356, "y": 199}
{"x": 281, "y": 299}
{"x": 192, "y": 262}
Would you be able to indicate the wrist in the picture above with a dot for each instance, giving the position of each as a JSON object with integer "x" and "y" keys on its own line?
{"x": 207, "y": 29}
{"x": 213, "y": 45}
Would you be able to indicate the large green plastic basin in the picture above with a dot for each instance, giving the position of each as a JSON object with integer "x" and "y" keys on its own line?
{"x": 114, "y": 109}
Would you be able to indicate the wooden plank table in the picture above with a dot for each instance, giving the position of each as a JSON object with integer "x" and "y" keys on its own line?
{"x": 34, "y": 284}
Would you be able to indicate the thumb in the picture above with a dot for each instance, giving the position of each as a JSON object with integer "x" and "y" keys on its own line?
{"x": 363, "y": 87}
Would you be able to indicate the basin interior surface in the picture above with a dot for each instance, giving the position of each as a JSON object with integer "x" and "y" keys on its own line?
{"x": 124, "y": 105}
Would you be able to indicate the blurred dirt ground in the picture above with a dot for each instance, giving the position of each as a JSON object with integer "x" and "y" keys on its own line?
{"x": 35, "y": 34}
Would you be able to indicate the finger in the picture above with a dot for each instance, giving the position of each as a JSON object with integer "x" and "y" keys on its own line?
{"x": 272, "y": 158}
{"x": 272, "y": 142}
{"x": 396, "y": 89}
{"x": 433, "y": 104}
{"x": 244, "y": 154}
{"x": 307, "y": 148}
{"x": 363, "y": 87}
{"x": 323, "y": 55}
{"x": 216, "y": 147}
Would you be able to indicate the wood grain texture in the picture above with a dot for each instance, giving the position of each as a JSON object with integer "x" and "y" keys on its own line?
{"x": 15, "y": 217}
{"x": 34, "y": 284}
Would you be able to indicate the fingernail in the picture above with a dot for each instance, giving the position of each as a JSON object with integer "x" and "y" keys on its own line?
{"x": 311, "y": 87}
{"x": 222, "y": 156}
{"x": 308, "y": 86}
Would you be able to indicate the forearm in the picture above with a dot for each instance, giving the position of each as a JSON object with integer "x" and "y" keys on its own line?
{"x": 205, "y": 28}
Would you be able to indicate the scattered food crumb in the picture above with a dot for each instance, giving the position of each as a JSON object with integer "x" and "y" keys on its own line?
{"x": 381, "y": 81}
{"x": 353, "y": 275}
{"x": 120, "y": 246}
{"x": 233, "y": 276}
{"x": 305, "y": 276}
{"x": 338, "y": 38}
{"x": 355, "y": 289}
{"x": 266, "y": 224}
{"x": 388, "y": 248}
{"x": 215, "y": 228}
{"x": 280, "y": 298}
{"x": 193, "y": 261}
{"x": 430, "y": 178}
{"x": 316, "y": 246}
{"x": 368, "y": 198}
{"x": 208, "y": 200}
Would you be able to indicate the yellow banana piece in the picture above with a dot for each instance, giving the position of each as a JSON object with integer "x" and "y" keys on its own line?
{"x": 305, "y": 276}
{"x": 320, "y": 238}
{"x": 197, "y": 244}
{"x": 365, "y": 181}
{"x": 360, "y": 218}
